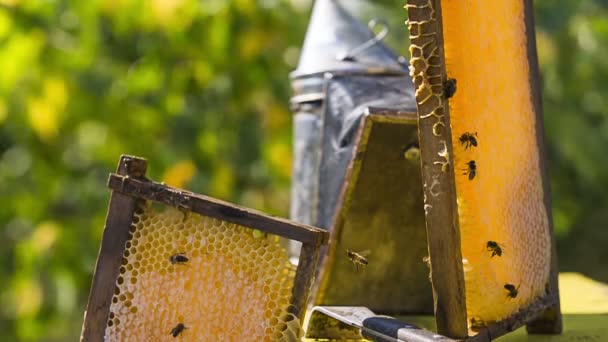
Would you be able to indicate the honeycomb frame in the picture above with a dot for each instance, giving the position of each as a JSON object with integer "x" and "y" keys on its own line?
{"x": 429, "y": 72}
{"x": 380, "y": 200}
{"x": 131, "y": 191}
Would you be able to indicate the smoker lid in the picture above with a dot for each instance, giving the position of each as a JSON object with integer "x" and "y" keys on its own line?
{"x": 337, "y": 42}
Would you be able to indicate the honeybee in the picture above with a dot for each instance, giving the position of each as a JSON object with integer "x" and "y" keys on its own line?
{"x": 179, "y": 259}
{"x": 449, "y": 88}
{"x": 427, "y": 261}
{"x": 358, "y": 258}
{"x": 179, "y": 328}
{"x": 185, "y": 213}
{"x": 471, "y": 170}
{"x": 412, "y": 152}
{"x": 477, "y": 324}
{"x": 494, "y": 247}
{"x": 512, "y": 291}
{"x": 468, "y": 139}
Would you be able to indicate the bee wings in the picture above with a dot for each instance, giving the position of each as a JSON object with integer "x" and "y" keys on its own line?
{"x": 365, "y": 253}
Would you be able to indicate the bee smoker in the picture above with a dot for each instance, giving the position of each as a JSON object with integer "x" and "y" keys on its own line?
{"x": 356, "y": 172}
{"x": 336, "y": 44}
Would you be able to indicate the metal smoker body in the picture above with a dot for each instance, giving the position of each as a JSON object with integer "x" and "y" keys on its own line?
{"x": 332, "y": 36}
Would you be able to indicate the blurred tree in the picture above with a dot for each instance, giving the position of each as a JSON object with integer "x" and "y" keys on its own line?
{"x": 572, "y": 38}
{"x": 200, "y": 88}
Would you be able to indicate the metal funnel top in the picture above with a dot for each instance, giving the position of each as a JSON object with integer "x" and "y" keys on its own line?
{"x": 337, "y": 42}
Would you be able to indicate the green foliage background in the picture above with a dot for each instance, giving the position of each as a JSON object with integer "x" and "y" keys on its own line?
{"x": 200, "y": 88}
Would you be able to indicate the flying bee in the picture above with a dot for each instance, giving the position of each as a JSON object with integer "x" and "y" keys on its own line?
{"x": 449, "y": 88}
{"x": 494, "y": 247}
{"x": 471, "y": 170}
{"x": 179, "y": 328}
{"x": 179, "y": 259}
{"x": 468, "y": 139}
{"x": 357, "y": 258}
{"x": 512, "y": 291}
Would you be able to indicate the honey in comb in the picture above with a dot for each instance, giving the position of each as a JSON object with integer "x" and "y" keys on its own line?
{"x": 235, "y": 286}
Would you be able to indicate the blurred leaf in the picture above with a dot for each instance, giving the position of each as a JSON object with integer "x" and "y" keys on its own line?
{"x": 44, "y": 237}
{"x": 46, "y": 112}
{"x": 180, "y": 174}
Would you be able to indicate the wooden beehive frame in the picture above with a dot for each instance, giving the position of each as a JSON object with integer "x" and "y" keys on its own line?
{"x": 542, "y": 316}
{"x": 393, "y": 130}
{"x": 130, "y": 187}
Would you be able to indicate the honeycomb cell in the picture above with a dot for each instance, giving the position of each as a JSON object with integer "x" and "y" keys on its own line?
{"x": 224, "y": 292}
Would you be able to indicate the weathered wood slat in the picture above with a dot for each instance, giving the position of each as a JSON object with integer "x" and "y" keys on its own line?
{"x": 115, "y": 235}
{"x": 551, "y": 321}
{"x": 380, "y": 201}
{"x": 517, "y": 320}
{"x": 443, "y": 233}
{"x": 188, "y": 201}
{"x": 305, "y": 273}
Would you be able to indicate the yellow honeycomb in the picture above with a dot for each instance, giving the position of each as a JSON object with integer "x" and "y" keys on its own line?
{"x": 486, "y": 52}
{"x": 235, "y": 285}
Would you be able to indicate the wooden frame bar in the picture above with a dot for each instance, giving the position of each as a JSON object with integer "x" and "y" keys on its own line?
{"x": 550, "y": 322}
{"x": 519, "y": 319}
{"x": 130, "y": 188}
{"x": 307, "y": 266}
{"x": 207, "y": 206}
{"x": 440, "y": 206}
{"x": 115, "y": 235}
{"x": 379, "y": 178}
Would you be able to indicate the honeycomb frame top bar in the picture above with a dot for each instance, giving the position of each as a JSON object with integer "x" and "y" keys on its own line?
{"x": 146, "y": 189}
